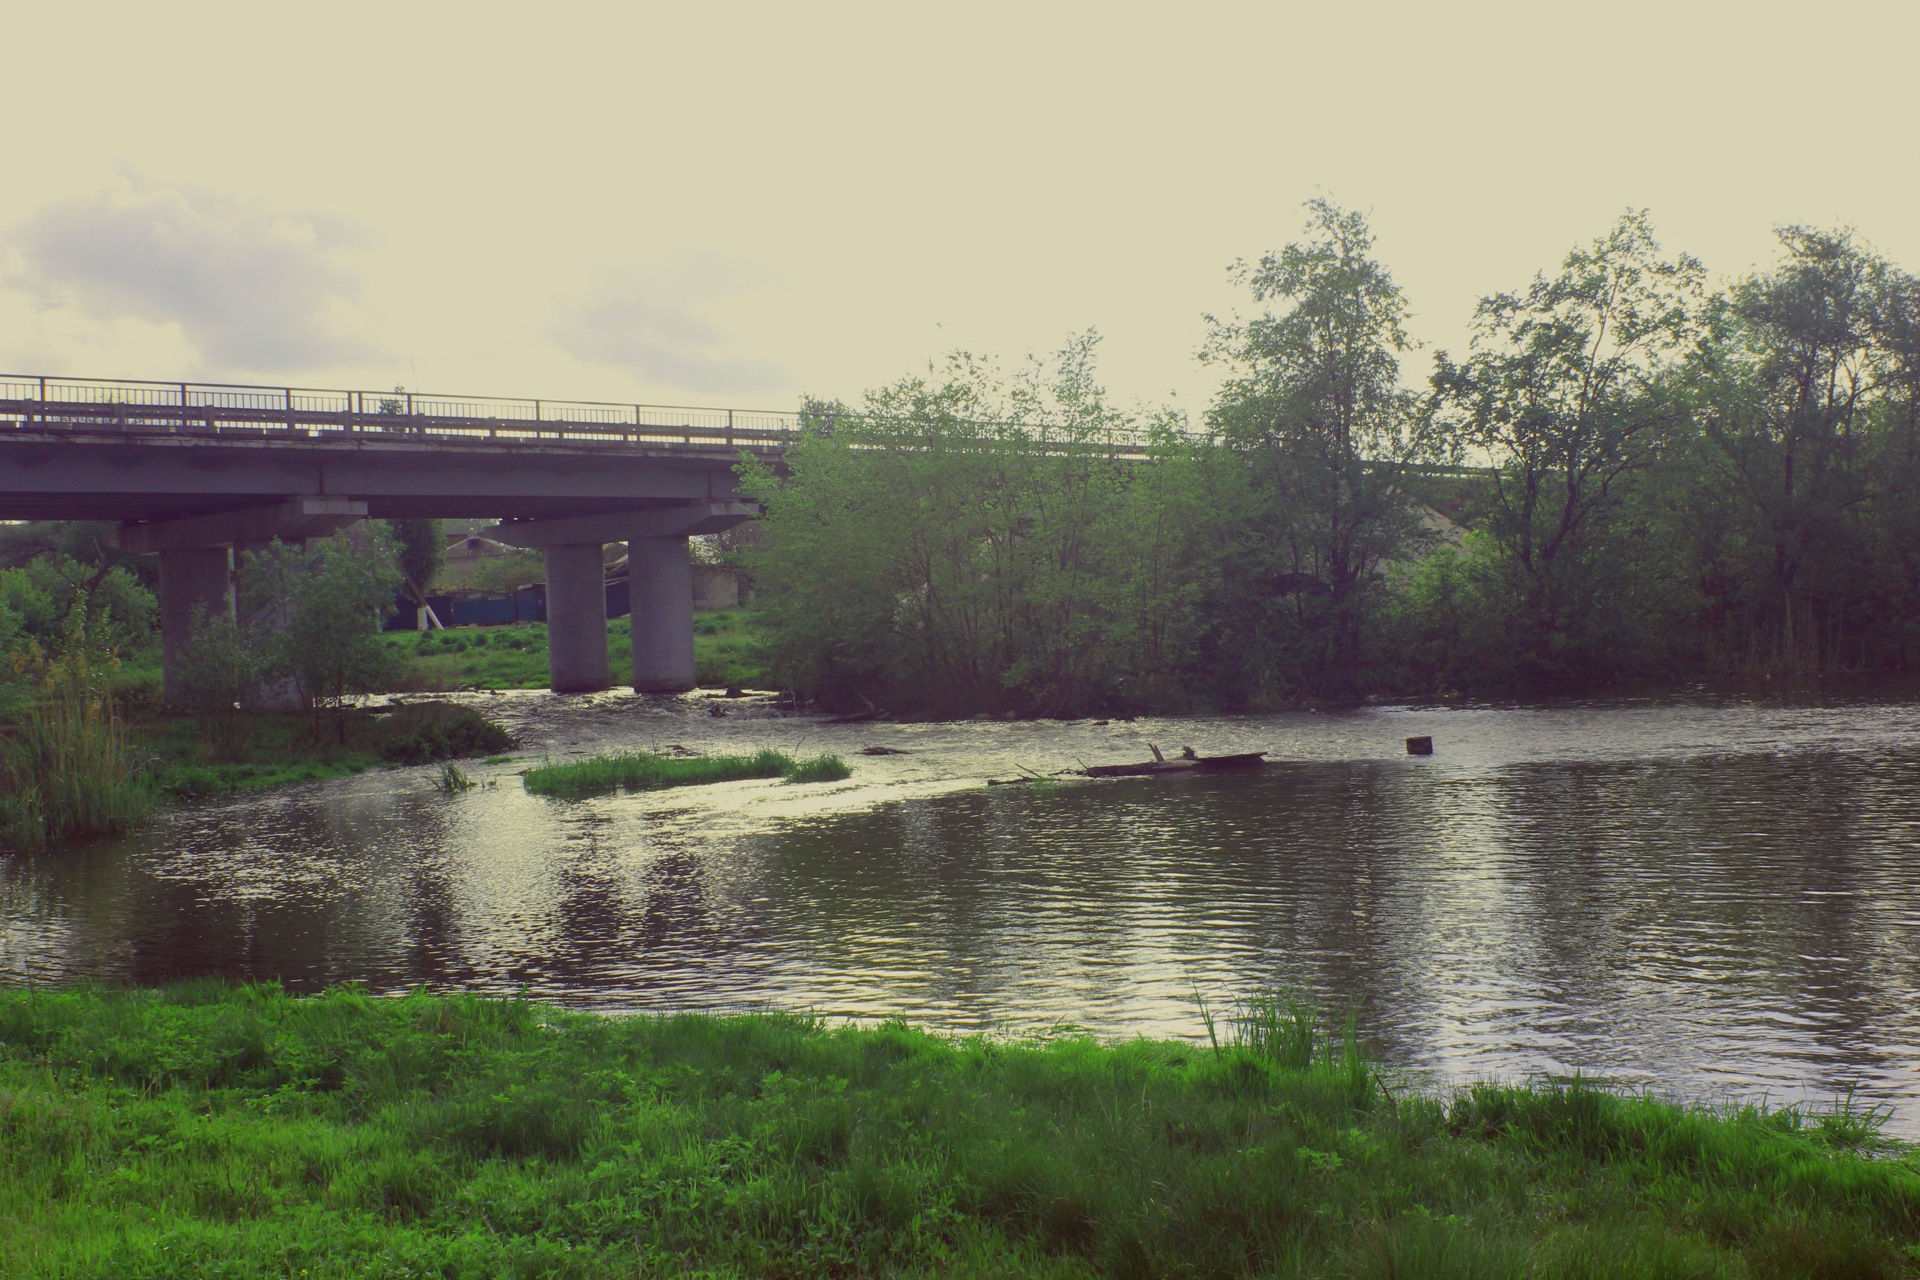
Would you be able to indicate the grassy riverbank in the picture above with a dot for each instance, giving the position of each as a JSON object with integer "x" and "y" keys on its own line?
{"x": 514, "y": 656}
{"x": 278, "y": 748}
{"x": 645, "y": 771}
{"x": 241, "y": 1132}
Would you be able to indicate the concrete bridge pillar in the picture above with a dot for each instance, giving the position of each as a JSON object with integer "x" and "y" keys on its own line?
{"x": 660, "y": 589}
{"x": 576, "y": 618}
{"x": 190, "y": 578}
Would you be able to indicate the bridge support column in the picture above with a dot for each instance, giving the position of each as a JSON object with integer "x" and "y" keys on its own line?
{"x": 576, "y": 618}
{"x": 660, "y": 589}
{"x": 192, "y": 577}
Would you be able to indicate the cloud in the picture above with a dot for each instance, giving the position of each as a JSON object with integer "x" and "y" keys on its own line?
{"x": 646, "y": 322}
{"x": 250, "y": 288}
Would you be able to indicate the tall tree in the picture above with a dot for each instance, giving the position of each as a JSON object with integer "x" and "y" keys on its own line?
{"x": 1313, "y": 399}
{"x": 421, "y": 552}
{"x": 1784, "y": 378}
{"x": 1566, "y": 391}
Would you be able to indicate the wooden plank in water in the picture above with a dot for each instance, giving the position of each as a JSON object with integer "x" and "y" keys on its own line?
{"x": 1147, "y": 768}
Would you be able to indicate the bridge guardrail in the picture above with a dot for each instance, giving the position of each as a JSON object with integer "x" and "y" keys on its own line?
{"x": 133, "y": 405}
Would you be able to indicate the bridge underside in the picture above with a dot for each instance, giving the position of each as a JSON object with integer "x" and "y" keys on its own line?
{"x": 196, "y": 500}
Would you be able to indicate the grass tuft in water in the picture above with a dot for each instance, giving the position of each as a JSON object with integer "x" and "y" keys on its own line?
{"x": 645, "y": 771}
{"x": 453, "y": 779}
{"x": 826, "y": 768}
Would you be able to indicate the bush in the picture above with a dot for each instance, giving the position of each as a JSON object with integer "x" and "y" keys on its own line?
{"x": 222, "y": 667}
{"x": 421, "y": 733}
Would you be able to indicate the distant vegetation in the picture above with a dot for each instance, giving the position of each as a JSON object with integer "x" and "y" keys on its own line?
{"x": 514, "y": 656}
{"x": 243, "y": 1132}
{"x": 1626, "y": 476}
{"x": 644, "y": 771}
{"x": 85, "y": 749}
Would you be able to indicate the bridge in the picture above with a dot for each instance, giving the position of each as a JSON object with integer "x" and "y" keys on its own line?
{"x": 197, "y": 472}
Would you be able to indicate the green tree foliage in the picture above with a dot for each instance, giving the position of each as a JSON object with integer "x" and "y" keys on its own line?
{"x": 41, "y": 596}
{"x": 1314, "y": 397}
{"x": 1567, "y": 392}
{"x": 421, "y": 552}
{"x": 506, "y": 574}
{"x": 966, "y": 542}
{"x": 1645, "y": 481}
{"x": 1790, "y": 387}
{"x": 223, "y": 667}
{"x": 318, "y": 611}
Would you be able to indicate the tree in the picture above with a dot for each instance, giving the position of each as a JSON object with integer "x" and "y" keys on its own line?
{"x": 222, "y": 668}
{"x": 1314, "y": 401}
{"x": 1783, "y": 378}
{"x": 321, "y": 607}
{"x": 944, "y": 546}
{"x": 421, "y": 554}
{"x": 421, "y": 551}
{"x": 1893, "y": 472}
{"x": 1566, "y": 392}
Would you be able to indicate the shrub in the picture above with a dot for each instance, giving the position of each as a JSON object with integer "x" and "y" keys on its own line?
{"x": 423, "y": 732}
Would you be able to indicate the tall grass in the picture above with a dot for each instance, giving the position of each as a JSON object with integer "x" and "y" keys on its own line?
{"x": 66, "y": 772}
{"x": 242, "y": 1132}
{"x": 645, "y": 771}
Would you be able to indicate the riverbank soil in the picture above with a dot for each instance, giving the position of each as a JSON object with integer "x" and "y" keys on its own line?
{"x": 211, "y": 1130}
{"x": 514, "y": 656}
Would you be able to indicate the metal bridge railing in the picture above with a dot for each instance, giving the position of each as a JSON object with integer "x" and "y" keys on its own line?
{"x": 40, "y": 402}
{"x": 30, "y": 400}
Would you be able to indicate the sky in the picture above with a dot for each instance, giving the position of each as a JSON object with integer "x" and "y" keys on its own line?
{"x": 742, "y": 204}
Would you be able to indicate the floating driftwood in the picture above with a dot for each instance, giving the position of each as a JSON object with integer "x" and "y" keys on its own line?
{"x": 1147, "y": 768}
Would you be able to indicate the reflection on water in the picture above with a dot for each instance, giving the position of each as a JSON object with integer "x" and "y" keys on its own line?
{"x": 1719, "y": 899}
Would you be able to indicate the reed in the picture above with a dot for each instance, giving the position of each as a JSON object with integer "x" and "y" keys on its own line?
{"x": 67, "y": 773}
{"x": 452, "y": 779}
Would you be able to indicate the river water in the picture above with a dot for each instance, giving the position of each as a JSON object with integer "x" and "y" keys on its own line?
{"x": 1715, "y": 898}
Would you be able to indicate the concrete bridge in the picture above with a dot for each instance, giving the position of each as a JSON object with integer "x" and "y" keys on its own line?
{"x": 195, "y": 473}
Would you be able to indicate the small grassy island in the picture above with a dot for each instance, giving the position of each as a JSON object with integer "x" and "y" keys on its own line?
{"x": 213, "y": 1130}
{"x": 646, "y": 771}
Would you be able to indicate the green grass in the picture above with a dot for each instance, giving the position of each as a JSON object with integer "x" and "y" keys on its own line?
{"x": 206, "y": 1130}
{"x": 281, "y": 748}
{"x": 644, "y": 771}
{"x": 823, "y": 768}
{"x": 514, "y": 656}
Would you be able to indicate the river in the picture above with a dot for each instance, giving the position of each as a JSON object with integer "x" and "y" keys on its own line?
{"x": 1718, "y": 899}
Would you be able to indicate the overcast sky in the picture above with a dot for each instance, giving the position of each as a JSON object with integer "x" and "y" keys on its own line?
{"x": 737, "y": 204}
